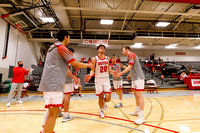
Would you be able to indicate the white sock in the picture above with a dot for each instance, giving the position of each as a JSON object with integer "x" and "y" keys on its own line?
{"x": 101, "y": 109}
{"x": 66, "y": 114}
{"x": 137, "y": 108}
{"x": 120, "y": 101}
{"x": 141, "y": 112}
{"x": 46, "y": 114}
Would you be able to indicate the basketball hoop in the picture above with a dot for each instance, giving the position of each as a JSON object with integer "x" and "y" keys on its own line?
{"x": 20, "y": 29}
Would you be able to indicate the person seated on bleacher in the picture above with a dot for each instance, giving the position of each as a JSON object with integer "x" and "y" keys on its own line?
{"x": 188, "y": 70}
{"x": 183, "y": 75}
{"x": 77, "y": 86}
{"x": 198, "y": 74}
{"x": 191, "y": 74}
{"x": 164, "y": 72}
{"x": 183, "y": 68}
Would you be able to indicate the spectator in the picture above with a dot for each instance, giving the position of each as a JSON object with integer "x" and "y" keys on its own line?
{"x": 191, "y": 73}
{"x": 183, "y": 68}
{"x": 188, "y": 71}
{"x": 88, "y": 62}
{"x": 118, "y": 60}
{"x": 152, "y": 57}
{"x": 183, "y": 75}
{"x": 159, "y": 60}
{"x": 17, "y": 82}
{"x": 164, "y": 72}
{"x": 198, "y": 74}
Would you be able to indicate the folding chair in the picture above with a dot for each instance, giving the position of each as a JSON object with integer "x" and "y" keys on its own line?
{"x": 24, "y": 90}
{"x": 151, "y": 84}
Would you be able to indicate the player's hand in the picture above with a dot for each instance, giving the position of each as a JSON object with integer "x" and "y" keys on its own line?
{"x": 128, "y": 77}
{"x": 118, "y": 75}
{"x": 87, "y": 78}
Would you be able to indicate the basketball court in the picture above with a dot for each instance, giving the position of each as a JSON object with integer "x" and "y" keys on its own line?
{"x": 165, "y": 112}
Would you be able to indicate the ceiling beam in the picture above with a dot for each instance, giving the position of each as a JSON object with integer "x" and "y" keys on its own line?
{"x": 125, "y": 11}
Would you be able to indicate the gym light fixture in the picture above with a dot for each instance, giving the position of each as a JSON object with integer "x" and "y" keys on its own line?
{"x": 137, "y": 45}
{"x": 106, "y": 22}
{"x": 47, "y": 19}
{"x": 162, "y": 24}
{"x": 197, "y": 47}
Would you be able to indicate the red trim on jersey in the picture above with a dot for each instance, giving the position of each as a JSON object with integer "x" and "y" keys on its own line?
{"x": 71, "y": 60}
{"x": 100, "y": 58}
{"x": 53, "y": 105}
{"x": 68, "y": 92}
{"x": 130, "y": 63}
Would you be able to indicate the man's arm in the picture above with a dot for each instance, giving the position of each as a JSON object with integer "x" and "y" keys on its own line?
{"x": 125, "y": 70}
{"x": 124, "y": 67}
{"x": 89, "y": 76}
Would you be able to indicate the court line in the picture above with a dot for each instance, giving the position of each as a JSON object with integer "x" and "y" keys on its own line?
{"x": 112, "y": 124}
{"x": 162, "y": 114}
{"x": 105, "y": 116}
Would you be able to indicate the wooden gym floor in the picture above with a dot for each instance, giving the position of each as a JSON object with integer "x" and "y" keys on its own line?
{"x": 165, "y": 112}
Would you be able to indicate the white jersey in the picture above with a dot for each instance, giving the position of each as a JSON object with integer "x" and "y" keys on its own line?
{"x": 101, "y": 70}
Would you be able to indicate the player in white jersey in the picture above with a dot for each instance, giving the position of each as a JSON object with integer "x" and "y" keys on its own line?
{"x": 102, "y": 81}
{"x": 117, "y": 81}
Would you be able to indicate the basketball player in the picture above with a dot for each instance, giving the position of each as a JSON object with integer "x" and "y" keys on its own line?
{"x": 78, "y": 86}
{"x": 54, "y": 76}
{"x": 117, "y": 81}
{"x": 102, "y": 81}
{"x": 67, "y": 90}
{"x": 137, "y": 77}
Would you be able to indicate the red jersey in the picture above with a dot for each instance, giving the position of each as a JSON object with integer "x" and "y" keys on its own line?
{"x": 18, "y": 74}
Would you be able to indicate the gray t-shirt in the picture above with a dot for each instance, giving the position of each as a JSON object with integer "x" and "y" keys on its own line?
{"x": 116, "y": 67}
{"x": 55, "y": 68}
{"x": 136, "y": 71}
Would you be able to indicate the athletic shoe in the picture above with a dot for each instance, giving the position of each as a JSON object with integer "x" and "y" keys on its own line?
{"x": 19, "y": 101}
{"x": 101, "y": 114}
{"x": 118, "y": 105}
{"x": 67, "y": 118}
{"x": 104, "y": 105}
{"x": 140, "y": 119}
{"x": 8, "y": 104}
{"x": 80, "y": 95}
{"x": 135, "y": 113}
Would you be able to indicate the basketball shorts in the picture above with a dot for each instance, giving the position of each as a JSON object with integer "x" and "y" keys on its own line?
{"x": 76, "y": 87}
{"x": 68, "y": 88}
{"x": 53, "y": 99}
{"x": 138, "y": 85}
{"x": 102, "y": 85}
{"x": 117, "y": 84}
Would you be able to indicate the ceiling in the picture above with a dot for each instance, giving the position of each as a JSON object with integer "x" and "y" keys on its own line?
{"x": 134, "y": 21}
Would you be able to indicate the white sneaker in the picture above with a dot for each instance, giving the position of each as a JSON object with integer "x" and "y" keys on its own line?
{"x": 67, "y": 118}
{"x": 140, "y": 119}
{"x": 135, "y": 113}
{"x": 101, "y": 114}
{"x": 19, "y": 101}
{"x": 8, "y": 104}
{"x": 104, "y": 105}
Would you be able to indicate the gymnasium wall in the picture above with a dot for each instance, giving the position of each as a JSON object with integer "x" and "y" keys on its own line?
{"x": 166, "y": 55}
{"x": 18, "y": 49}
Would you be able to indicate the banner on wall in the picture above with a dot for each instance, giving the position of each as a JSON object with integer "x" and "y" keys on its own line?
{"x": 180, "y": 53}
{"x": 95, "y": 42}
{"x": 195, "y": 82}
